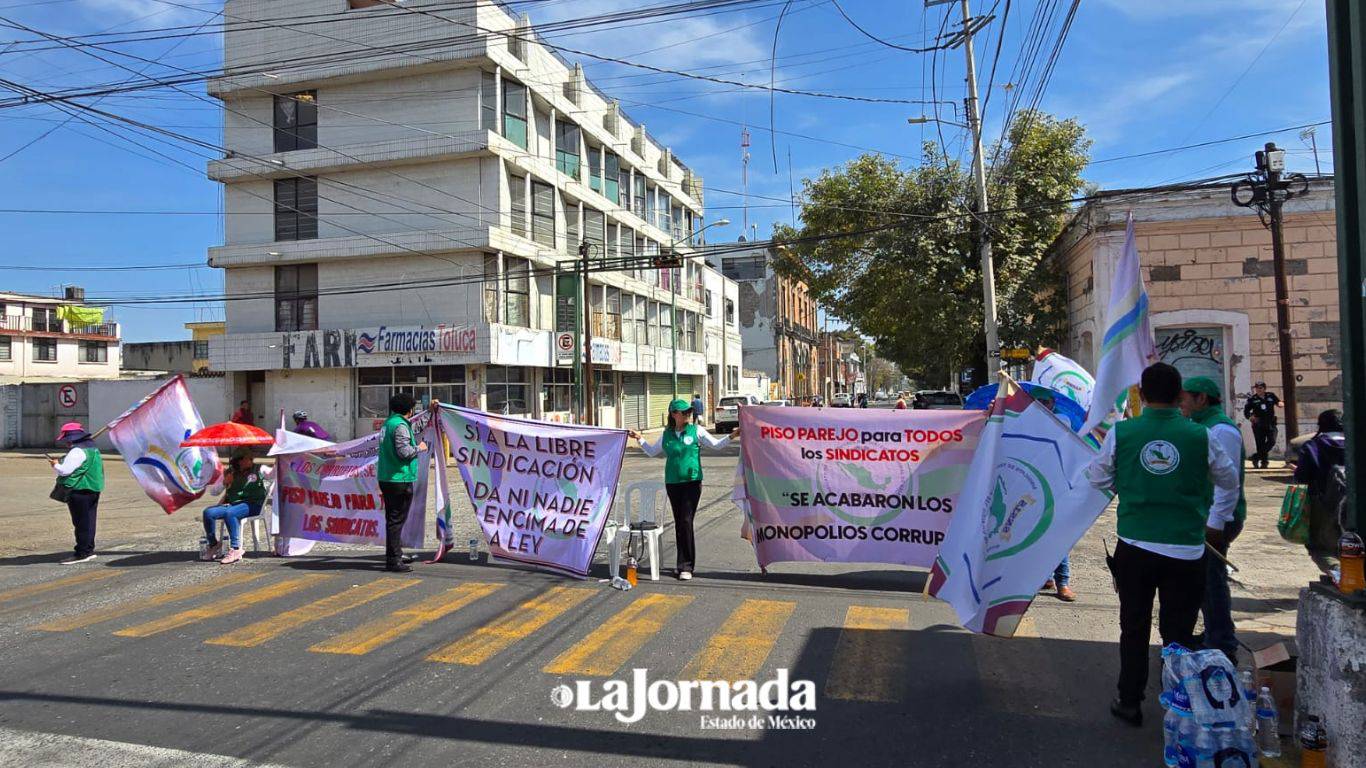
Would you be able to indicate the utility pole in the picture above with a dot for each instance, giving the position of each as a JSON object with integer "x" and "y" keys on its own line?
{"x": 1267, "y": 190}
{"x": 589, "y": 412}
{"x": 1312, "y": 134}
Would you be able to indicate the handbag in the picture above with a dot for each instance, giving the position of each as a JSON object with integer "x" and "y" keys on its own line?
{"x": 1293, "y": 524}
{"x": 60, "y": 492}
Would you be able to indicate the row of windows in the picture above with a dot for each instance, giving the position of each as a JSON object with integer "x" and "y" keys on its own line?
{"x": 45, "y": 350}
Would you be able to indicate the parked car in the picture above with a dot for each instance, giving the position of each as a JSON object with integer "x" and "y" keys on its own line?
{"x": 840, "y": 400}
{"x": 727, "y": 414}
{"x": 779, "y": 403}
{"x": 937, "y": 400}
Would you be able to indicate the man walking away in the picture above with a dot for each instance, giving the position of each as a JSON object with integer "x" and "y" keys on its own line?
{"x": 1160, "y": 465}
{"x": 81, "y": 472}
{"x": 1322, "y": 466}
{"x": 397, "y": 471}
{"x": 697, "y": 406}
{"x": 1261, "y": 410}
{"x": 1225, "y": 511}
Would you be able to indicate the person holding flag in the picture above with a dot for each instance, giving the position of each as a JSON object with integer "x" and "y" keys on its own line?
{"x": 1164, "y": 468}
{"x": 81, "y": 474}
{"x": 397, "y": 472}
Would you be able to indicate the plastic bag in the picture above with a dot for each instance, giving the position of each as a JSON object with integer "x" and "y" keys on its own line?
{"x": 1294, "y": 522}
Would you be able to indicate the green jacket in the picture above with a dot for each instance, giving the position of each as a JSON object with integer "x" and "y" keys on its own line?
{"x": 89, "y": 476}
{"x": 392, "y": 467}
{"x": 1162, "y": 478}
{"x": 682, "y": 455}
{"x": 1209, "y": 418}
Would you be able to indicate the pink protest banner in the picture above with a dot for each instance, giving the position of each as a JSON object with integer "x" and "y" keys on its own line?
{"x": 541, "y": 492}
{"x": 849, "y": 485}
{"x": 148, "y": 437}
{"x": 331, "y": 493}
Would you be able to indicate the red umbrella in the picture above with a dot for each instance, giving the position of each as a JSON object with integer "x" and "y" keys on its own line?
{"x": 228, "y": 433}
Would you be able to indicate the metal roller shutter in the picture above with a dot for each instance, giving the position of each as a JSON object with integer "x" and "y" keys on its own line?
{"x": 633, "y": 403}
{"x": 661, "y": 394}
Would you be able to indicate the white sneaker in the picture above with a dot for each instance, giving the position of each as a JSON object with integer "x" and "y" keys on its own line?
{"x": 76, "y": 560}
{"x": 685, "y": 576}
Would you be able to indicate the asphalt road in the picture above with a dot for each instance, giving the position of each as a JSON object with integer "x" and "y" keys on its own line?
{"x": 148, "y": 657}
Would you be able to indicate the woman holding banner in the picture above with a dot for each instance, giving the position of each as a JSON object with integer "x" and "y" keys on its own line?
{"x": 245, "y": 494}
{"x": 681, "y": 443}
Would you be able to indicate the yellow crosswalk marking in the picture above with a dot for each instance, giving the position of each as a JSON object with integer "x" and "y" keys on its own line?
{"x": 368, "y": 637}
{"x": 871, "y": 655}
{"x": 500, "y": 634}
{"x": 740, "y": 647}
{"x": 221, "y": 607}
{"x": 617, "y": 639}
{"x": 133, "y": 606}
{"x": 29, "y": 590}
{"x": 267, "y": 629}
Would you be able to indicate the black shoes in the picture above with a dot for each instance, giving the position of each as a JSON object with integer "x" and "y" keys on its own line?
{"x": 1129, "y": 713}
{"x": 398, "y": 568}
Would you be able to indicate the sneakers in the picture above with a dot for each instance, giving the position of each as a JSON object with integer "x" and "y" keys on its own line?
{"x": 233, "y": 556}
{"x": 213, "y": 552}
{"x": 77, "y": 560}
{"x": 685, "y": 576}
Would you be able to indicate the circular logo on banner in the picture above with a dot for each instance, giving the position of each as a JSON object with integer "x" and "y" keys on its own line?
{"x": 1159, "y": 457}
{"x": 1019, "y": 511}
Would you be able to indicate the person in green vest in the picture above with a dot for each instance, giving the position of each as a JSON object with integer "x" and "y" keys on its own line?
{"x": 1226, "y": 511}
{"x": 245, "y": 494}
{"x": 681, "y": 444}
{"x": 1164, "y": 468}
{"x": 81, "y": 472}
{"x": 397, "y": 472}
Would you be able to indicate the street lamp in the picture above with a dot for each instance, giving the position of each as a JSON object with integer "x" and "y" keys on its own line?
{"x": 673, "y": 300}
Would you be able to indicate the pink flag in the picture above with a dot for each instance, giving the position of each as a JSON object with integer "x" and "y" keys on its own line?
{"x": 148, "y": 437}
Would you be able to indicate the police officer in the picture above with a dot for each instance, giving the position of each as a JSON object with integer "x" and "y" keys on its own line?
{"x": 1226, "y": 511}
{"x": 1261, "y": 410}
{"x": 1160, "y": 465}
{"x": 397, "y": 472}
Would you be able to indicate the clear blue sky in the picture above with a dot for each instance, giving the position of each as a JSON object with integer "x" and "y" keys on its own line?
{"x": 1140, "y": 74}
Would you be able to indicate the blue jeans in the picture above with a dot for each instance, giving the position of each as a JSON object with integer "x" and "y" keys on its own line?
{"x": 1062, "y": 575}
{"x": 233, "y": 515}
{"x": 1218, "y": 608}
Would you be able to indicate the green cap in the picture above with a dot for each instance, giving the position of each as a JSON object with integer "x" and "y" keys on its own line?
{"x": 680, "y": 405}
{"x": 1201, "y": 385}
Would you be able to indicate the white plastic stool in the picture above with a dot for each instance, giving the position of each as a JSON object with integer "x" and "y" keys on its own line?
{"x": 641, "y": 501}
{"x": 259, "y": 531}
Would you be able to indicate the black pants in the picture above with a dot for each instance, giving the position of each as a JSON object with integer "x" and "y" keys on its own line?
{"x": 82, "y": 505}
{"x": 1180, "y": 587}
{"x": 1265, "y": 435}
{"x": 397, "y": 498}
{"x": 683, "y": 498}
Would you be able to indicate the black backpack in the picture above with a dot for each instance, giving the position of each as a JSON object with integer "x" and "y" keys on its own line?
{"x": 1334, "y": 493}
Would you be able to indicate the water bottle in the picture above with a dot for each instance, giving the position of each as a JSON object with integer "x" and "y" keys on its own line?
{"x": 1205, "y": 747}
{"x": 1313, "y": 743}
{"x": 474, "y": 550}
{"x": 1250, "y": 699}
{"x": 1176, "y": 667}
{"x": 1214, "y": 692}
{"x": 1187, "y": 732}
{"x": 1268, "y": 725}
{"x": 203, "y": 546}
{"x": 631, "y": 568}
{"x": 1171, "y": 738}
{"x": 1352, "y": 556}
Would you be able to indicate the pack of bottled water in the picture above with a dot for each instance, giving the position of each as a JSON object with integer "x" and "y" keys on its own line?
{"x": 1209, "y": 718}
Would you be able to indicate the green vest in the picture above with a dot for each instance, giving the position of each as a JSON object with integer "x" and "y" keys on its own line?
{"x": 247, "y": 488}
{"x": 1208, "y": 418}
{"x": 1162, "y": 478}
{"x": 392, "y": 468}
{"x": 682, "y": 455}
{"x": 89, "y": 476}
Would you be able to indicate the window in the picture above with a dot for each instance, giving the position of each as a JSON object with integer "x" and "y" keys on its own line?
{"x": 651, "y": 205}
{"x": 732, "y": 378}
{"x": 448, "y": 384}
{"x": 491, "y": 283}
{"x": 296, "y": 209}
{"x": 595, "y": 169}
{"x": 594, "y": 232}
{"x": 296, "y": 121}
{"x": 517, "y": 198}
{"x": 611, "y": 177}
{"x": 44, "y": 350}
{"x": 612, "y": 327}
{"x": 666, "y": 326}
{"x": 374, "y": 386}
{"x": 6, "y": 351}
{"x": 543, "y": 214}
{"x": 639, "y": 203}
{"x": 508, "y": 390}
{"x": 624, "y": 187}
{"x": 652, "y": 324}
{"x": 488, "y": 102}
{"x": 517, "y": 286}
{"x": 628, "y": 314}
{"x": 743, "y": 268}
{"x": 571, "y": 225}
{"x": 94, "y": 352}
{"x": 557, "y": 390}
{"x": 607, "y": 394}
{"x": 296, "y": 297}
{"x": 201, "y": 350}
{"x": 711, "y": 304}
{"x": 514, "y": 112}
{"x": 45, "y": 319}
{"x": 730, "y": 312}
{"x": 567, "y": 148}
{"x": 642, "y": 332}
{"x": 613, "y": 247}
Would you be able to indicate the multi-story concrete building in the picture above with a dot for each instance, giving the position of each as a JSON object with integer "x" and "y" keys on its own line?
{"x": 398, "y": 194}
{"x": 723, "y": 345}
{"x": 777, "y": 321}
{"x": 1207, "y": 265}
{"x": 36, "y": 342}
{"x": 841, "y": 365}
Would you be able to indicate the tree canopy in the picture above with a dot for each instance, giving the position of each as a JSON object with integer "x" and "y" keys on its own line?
{"x": 893, "y": 250}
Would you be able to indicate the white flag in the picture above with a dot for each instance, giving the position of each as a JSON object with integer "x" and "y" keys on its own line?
{"x": 1128, "y": 345}
{"x": 1065, "y": 375}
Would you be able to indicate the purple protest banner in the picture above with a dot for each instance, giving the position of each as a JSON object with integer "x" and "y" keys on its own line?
{"x": 848, "y": 485}
{"x": 541, "y": 491}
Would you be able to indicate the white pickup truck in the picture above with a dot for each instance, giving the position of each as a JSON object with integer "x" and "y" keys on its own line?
{"x": 727, "y": 413}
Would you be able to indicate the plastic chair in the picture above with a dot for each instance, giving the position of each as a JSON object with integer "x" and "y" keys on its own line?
{"x": 259, "y": 531}
{"x": 640, "y": 504}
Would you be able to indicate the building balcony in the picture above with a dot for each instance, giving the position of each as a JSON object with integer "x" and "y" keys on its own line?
{"x": 25, "y": 325}
{"x": 355, "y": 156}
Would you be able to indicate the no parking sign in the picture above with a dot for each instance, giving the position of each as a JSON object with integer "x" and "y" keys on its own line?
{"x": 67, "y": 397}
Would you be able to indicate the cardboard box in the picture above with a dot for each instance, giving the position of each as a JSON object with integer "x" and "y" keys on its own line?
{"x": 1275, "y": 668}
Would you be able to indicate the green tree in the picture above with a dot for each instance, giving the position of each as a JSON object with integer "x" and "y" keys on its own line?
{"x": 893, "y": 250}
